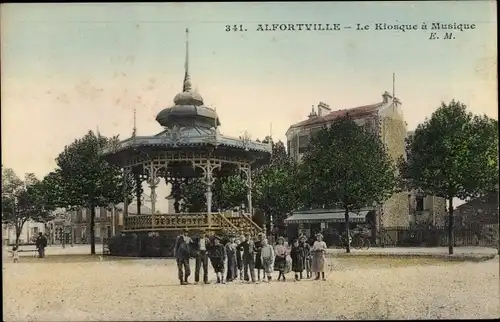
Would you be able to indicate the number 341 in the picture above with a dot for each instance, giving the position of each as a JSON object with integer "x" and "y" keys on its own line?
{"x": 235, "y": 28}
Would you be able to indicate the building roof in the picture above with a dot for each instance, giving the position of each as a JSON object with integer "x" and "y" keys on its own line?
{"x": 318, "y": 216}
{"x": 354, "y": 112}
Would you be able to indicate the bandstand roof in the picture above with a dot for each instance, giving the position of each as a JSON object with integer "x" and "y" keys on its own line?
{"x": 188, "y": 125}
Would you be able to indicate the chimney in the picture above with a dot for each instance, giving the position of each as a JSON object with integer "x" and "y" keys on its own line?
{"x": 323, "y": 109}
{"x": 313, "y": 113}
{"x": 386, "y": 96}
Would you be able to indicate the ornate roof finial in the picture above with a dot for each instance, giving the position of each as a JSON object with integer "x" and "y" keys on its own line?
{"x": 134, "y": 130}
{"x": 187, "y": 83}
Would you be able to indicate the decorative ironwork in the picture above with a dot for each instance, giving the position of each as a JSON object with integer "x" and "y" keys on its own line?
{"x": 174, "y": 135}
{"x": 245, "y": 140}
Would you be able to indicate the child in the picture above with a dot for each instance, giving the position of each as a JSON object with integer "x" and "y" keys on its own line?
{"x": 15, "y": 254}
{"x": 280, "y": 260}
{"x": 217, "y": 258}
{"x": 267, "y": 258}
{"x": 298, "y": 259}
{"x": 305, "y": 249}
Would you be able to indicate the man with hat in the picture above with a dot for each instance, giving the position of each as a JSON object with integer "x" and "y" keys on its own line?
{"x": 248, "y": 257}
{"x": 202, "y": 243}
{"x": 182, "y": 253}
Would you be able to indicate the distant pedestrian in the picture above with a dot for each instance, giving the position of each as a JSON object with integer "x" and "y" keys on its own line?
{"x": 182, "y": 253}
{"x": 15, "y": 254}
{"x": 218, "y": 257}
{"x": 318, "y": 260}
{"x": 231, "y": 260}
{"x": 41, "y": 243}
{"x": 267, "y": 258}
{"x": 201, "y": 245}
{"x": 280, "y": 252}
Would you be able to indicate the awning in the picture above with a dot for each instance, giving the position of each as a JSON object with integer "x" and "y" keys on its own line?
{"x": 326, "y": 217}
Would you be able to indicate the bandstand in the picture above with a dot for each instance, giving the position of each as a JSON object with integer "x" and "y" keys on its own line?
{"x": 190, "y": 146}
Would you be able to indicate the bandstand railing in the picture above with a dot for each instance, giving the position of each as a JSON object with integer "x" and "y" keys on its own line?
{"x": 214, "y": 221}
{"x": 167, "y": 221}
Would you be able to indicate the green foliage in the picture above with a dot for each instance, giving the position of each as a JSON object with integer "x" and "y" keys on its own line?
{"x": 23, "y": 200}
{"x": 346, "y": 166}
{"x": 453, "y": 154}
{"x": 275, "y": 189}
{"x": 84, "y": 179}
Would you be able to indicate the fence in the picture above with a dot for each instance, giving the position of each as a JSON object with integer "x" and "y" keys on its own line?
{"x": 477, "y": 235}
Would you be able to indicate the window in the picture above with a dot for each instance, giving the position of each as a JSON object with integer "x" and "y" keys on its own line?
{"x": 84, "y": 214}
{"x": 98, "y": 231}
{"x": 420, "y": 203}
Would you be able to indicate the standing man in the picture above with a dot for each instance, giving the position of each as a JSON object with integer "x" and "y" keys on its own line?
{"x": 247, "y": 248}
{"x": 182, "y": 254}
{"x": 202, "y": 243}
{"x": 41, "y": 243}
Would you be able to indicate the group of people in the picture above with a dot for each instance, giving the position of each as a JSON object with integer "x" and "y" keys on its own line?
{"x": 41, "y": 243}
{"x": 240, "y": 257}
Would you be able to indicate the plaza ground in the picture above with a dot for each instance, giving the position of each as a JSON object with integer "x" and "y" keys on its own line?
{"x": 85, "y": 288}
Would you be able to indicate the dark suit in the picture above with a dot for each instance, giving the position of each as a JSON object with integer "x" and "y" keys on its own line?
{"x": 182, "y": 254}
{"x": 201, "y": 259}
{"x": 248, "y": 259}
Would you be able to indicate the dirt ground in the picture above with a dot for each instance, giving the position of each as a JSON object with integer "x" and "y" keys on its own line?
{"x": 83, "y": 288}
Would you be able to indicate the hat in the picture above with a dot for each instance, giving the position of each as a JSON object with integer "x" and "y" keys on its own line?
{"x": 185, "y": 230}
{"x": 202, "y": 231}
{"x": 260, "y": 234}
{"x": 217, "y": 238}
{"x": 319, "y": 235}
{"x": 281, "y": 238}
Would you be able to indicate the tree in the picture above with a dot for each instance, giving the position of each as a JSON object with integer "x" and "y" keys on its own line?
{"x": 452, "y": 154}
{"x": 275, "y": 189}
{"x": 84, "y": 179}
{"x": 346, "y": 167}
{"x": 23, "y": 200}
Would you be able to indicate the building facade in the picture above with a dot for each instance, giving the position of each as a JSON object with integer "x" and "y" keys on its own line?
{"x": 28, "y": 235}
{"x": 426, "y": 209}
{"x": 384, "y": 118}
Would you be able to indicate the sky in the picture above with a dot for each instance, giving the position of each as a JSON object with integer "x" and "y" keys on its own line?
{"x": 70, "y": 68}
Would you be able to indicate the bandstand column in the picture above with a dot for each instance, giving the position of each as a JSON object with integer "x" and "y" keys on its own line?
{"x": 138, "y": 191}
{"x": 209, "y": 179}
{"x": 153, "y": 182}
{"x": 248, "y": 173}
{"x": 126, "y": 174}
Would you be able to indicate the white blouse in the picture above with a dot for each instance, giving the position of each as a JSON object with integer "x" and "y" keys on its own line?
{"x": 319, "y": 245}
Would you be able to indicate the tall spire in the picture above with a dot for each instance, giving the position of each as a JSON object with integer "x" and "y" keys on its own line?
{"x": 187, "y": 83}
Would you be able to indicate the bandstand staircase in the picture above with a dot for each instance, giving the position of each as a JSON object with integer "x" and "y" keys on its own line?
{"x": 238, "y": 225}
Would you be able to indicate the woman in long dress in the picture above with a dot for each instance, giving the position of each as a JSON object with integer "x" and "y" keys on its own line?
{"x": 280, "y": 260}
{"x": 298, "y": 260}
{"x": 318, "y": 260}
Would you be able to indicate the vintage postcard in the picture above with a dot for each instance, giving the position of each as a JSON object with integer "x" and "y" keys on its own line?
{"x": 249, "y": 161}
